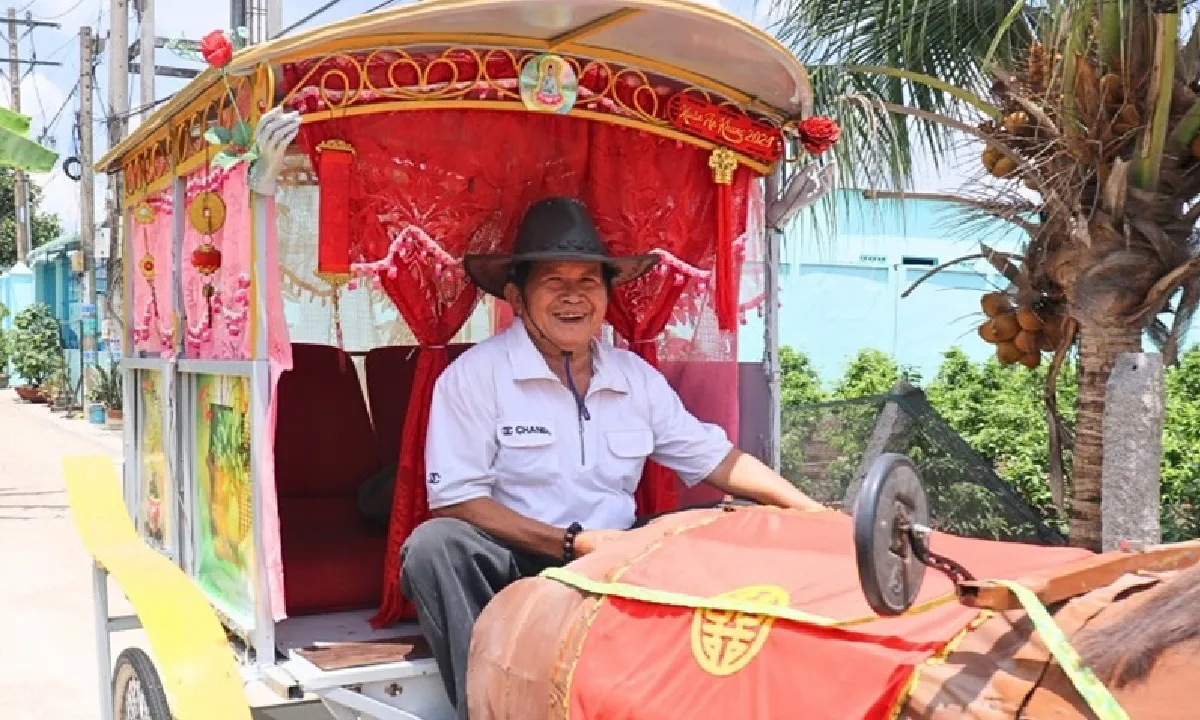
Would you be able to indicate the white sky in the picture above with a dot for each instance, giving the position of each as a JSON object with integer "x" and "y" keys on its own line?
{"x": 44, "y": 91}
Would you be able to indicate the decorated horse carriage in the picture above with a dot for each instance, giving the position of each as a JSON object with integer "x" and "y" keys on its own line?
{"x": 295, "y": 223}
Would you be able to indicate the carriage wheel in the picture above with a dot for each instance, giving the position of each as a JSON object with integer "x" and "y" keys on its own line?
{"x": 137, "y": 690}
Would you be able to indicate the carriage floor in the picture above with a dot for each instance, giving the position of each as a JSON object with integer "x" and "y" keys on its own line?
{"x": 338, "y": 641}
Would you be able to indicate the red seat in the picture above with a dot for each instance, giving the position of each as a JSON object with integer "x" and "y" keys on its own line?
{"x": 390, "y": 372}
{"x": 325, "y": 447}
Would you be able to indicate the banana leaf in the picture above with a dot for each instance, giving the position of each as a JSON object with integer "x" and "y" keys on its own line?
{"x": 14, "y": 121}
{"x": 17, "y": 150}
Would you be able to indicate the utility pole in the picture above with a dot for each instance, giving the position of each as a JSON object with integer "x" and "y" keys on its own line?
{"x": 87, "y": 178}
{"x": 14, "y": 83}
{"x": 239, "y": 14}
{"x": 274, "y": 19}
{"x": 20, "y": 180}
{"x": 147, "y": 68}
{"x": 118, "y": 102}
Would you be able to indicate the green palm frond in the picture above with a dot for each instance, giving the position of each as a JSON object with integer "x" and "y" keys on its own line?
{"x": 845, "y": 44}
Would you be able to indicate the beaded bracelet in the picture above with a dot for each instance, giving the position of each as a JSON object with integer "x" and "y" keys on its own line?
{"x": 569, "y": 541}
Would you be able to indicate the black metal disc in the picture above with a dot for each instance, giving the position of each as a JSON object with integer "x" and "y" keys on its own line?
{"x": 892, "y": 498}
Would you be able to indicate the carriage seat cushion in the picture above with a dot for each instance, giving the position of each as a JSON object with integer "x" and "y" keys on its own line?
{"x": 390, "y": 373}
{"x": 324, "y": 449}
{"x": 324, "y": 441}
{"x": 332, "y": 561}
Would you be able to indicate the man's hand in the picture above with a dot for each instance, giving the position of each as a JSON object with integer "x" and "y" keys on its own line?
{"x": 588, "y": 540}
{"x": 276, "y": 130}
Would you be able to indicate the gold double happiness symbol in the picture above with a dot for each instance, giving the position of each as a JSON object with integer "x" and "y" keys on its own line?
{"x": 725, "y": 641}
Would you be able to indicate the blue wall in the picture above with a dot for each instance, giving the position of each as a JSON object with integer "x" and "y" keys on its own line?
{"x": 843, "y": 275}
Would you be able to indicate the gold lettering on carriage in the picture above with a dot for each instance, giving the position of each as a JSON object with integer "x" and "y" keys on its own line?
{"x": 724, "y": 641}
{"x": 730, "y": 128}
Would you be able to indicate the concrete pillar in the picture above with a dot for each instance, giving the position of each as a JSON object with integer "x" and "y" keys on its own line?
{"x": 1132, "y": 469}
{"x": 891, "y": 429}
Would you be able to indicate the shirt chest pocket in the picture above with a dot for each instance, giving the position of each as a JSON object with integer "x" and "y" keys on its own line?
{"x": 526, "y": 454}
{"x": 625, "y": 453}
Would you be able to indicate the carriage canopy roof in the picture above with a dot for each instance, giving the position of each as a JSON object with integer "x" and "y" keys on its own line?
{"x": 687, "y": 40}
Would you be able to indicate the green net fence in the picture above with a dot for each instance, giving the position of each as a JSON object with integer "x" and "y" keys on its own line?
{"x": 827, "y": 448}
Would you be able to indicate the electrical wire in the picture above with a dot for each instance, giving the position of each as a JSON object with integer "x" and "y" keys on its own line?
{"x": 54, "y": 121}
{"x": 64, "y": 13}
{"x": 37, "y": 93}
{"x": 381, "y": 5}
{"x": 306, "y": 18}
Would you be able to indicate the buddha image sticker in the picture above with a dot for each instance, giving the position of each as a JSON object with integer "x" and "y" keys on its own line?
{"x": 225, "y": 547}
{"x": 157, "y": 489}
{"x": 548, "y": 84}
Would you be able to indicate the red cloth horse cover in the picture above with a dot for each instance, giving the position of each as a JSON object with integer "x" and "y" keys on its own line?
{"x": 644, "y": 660}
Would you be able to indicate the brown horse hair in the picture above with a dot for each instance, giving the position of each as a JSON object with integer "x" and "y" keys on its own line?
{"x": 1124, "y": 652}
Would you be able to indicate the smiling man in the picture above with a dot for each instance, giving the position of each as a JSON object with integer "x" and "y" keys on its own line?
{"x": 538, "y": 436}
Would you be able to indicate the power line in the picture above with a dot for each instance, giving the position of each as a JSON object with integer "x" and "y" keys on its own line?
{"x": 306, "y": 18}
{"x": 66, "y": 12}
{"x": 54, "y": 121}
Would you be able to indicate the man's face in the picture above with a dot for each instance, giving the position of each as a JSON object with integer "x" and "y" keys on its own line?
{"x": 566, "y": 301}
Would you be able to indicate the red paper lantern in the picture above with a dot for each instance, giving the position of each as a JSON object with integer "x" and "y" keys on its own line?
{"x": 206, "y": 259}
{"x": 334, "y": 158}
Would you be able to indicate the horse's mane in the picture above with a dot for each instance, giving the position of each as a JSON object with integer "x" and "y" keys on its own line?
{"x": 1123, "y": 652}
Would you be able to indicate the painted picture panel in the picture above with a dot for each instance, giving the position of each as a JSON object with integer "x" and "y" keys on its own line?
{"x": 225, "y": 541}
{"x": 158, "y": 489}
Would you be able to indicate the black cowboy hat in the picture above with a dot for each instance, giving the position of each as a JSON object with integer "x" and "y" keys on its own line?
{"x": 557, "y": 228}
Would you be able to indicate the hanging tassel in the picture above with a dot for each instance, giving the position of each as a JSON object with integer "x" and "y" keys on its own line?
{"x": 724, "y": 163}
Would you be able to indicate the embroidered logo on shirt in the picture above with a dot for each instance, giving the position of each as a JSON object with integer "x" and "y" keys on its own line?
{"x": 434, "y": 478}
{"x": 508, "y": 430}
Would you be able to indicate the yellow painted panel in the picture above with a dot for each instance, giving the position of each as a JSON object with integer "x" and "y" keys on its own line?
{"x": 194, "y": 659}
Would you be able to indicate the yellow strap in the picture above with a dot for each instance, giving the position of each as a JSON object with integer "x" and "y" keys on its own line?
{"x": 193, "y": 656}
{"x": 665, "y": 597}
{"x": 1093, "y": 692}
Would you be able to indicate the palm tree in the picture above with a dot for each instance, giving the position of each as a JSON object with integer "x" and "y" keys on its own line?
{"x": 1085, "y": 116}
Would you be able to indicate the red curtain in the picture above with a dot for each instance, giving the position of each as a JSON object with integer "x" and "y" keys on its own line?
{"x": 462, "y": 179}
{"x": 646, "y": 192}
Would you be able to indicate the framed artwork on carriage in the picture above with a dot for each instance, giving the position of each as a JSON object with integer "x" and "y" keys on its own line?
{"x": 155, "y": 517}
{"x": 223, "y": 503}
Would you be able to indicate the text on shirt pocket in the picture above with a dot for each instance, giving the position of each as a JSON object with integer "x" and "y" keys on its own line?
{"x": 526, "y": 453}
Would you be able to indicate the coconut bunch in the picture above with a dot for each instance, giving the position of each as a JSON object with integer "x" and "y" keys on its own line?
{"x": 1021, "y": 333}
{"x": 1106, "y": 107}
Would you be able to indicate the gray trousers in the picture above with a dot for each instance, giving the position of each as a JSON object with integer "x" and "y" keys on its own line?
{"x": 450, "y": 570}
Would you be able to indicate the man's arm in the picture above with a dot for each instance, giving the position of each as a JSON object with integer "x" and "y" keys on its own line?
{"x": 743, "y": 475}
{"x": 509, "y": 527}
{"x": 699, "y": 452}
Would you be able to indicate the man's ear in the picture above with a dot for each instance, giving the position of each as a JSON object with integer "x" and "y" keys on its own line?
{"x": 513, "y": 296}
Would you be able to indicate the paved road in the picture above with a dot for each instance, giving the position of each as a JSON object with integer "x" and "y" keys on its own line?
{"x": 47, "y": 637}
{"x": 47, "y": 645}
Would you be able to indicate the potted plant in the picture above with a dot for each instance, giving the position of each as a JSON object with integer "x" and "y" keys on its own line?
{"x": 5, "y": 356}
{"x": 95, "y": 396}
{"x": 5, "y": 347}
{"x": 108, "y": 391}
{"x": 36, "y": 349}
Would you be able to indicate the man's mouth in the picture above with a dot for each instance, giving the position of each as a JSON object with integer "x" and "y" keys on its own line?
{"x": 569, "y": 317}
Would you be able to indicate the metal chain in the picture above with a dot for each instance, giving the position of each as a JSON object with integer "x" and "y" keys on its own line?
{"x": 951, "y": 569}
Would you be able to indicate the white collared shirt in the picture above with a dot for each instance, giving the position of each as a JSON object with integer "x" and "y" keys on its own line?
{"x": 503, "y": 426}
